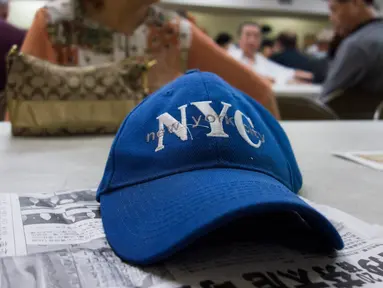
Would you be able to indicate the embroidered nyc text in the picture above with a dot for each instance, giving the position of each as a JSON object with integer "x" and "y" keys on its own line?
{"x": 215, "y": 122}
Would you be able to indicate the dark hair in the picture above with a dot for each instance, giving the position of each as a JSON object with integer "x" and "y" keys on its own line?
{"x": 267, "y": 43}
{"x": 266, "y": 29}
{"x": 97, "y": 4}
{"x": 247, "y": 23}
{"x": 368, "y": 2}
{"x": 223, "y": 38}
{"x": 372, "y": 3}
{"x": 183, "y": 13}
{"x": 287, "y": 40}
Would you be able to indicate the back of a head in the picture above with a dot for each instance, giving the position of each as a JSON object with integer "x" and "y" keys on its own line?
{"x": 267, "y": 47}
{"x": 288, "y": 40}
{"x": 267, "y": 43}
{"x": 372, "y": 3}
{"x": 182, "y": 13}
{"x": 368, "y": 2}
{"x": 223, "y": 39}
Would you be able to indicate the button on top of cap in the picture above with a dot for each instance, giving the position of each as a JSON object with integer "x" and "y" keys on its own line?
{"x": 192, "y": 71}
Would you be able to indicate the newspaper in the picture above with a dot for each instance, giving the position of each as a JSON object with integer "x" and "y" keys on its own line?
{"x": 40, "y": 223}
{"x": 57, "y": 240}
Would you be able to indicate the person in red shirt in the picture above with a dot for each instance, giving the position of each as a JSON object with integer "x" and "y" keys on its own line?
{"x": 136, "y": 28}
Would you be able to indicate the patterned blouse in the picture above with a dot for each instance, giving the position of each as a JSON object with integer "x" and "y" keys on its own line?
{"x": 61, "y": 34}
{"x": 67, "y": 27}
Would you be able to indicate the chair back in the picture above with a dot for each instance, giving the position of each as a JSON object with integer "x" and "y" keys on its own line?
{"x": 378, "y": 115}
{"x": 304, "y": 108}
{"x": 354, "y": 104}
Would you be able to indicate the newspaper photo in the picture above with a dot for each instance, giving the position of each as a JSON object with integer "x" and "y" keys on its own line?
{"x": 57, "y": 240}
{"x": 40, "y": 223}
{"x": 372, "y": 159}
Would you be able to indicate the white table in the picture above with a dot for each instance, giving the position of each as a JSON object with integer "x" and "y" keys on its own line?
{"x": 304, "y": 90}
{"x": 47, "y": 165}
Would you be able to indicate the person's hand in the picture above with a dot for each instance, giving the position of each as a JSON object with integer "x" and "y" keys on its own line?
{"x": 269, "y": 79}
{"x": 295, "y": 81}
{"x": 301, "y": 76}
{"x": 164, "y": 46}
{"x": 166, "y": 69}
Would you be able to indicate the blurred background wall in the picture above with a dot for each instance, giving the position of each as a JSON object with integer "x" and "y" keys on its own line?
{"x": 21, "y": 12}
{"x": 228, "y": 21}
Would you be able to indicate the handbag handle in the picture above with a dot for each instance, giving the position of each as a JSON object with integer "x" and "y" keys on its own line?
{"x": 11, "y": 53}
{"x": 145, "y": 76}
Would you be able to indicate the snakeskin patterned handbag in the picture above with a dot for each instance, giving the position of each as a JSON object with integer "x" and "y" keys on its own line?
{"x": 46, "y": 99}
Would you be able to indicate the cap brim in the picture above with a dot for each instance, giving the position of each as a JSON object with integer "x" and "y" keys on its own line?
{"x": 149, "y": 222}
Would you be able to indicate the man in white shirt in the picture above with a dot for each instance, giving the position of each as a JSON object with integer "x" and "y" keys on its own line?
{"x": 247, "y": 53}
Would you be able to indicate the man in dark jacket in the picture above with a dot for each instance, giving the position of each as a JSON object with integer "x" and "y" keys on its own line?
{"x": 288, "y": 53}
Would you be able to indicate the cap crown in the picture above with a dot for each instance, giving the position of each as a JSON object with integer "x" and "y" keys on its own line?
{"x": 198, "y": 122}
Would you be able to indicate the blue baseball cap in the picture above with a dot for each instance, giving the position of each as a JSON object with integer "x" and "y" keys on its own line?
{"x": 192, "y": 157}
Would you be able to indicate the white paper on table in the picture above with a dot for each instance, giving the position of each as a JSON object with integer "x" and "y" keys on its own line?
{"x": 372, "y": 159}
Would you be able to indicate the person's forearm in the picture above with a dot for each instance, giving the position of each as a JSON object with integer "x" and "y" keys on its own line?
{"x": 304, "y": 76}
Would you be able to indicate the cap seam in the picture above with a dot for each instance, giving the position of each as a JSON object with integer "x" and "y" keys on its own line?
{"x": 199, "y": 169}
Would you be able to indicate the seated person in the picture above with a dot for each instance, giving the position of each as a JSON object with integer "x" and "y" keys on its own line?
{"x": 358, "y": 60}
{"x": 83, "y": 32}
{"x": 250, "y": 41}
{"x": 224, "y": 40}
{"x": 287, "y": 54}
{"x": 267, "y": 48}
